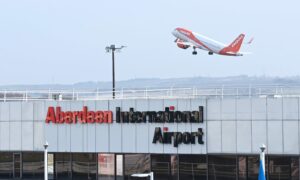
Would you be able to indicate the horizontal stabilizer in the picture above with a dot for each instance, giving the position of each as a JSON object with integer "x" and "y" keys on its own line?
{"x": 250, "y": 41}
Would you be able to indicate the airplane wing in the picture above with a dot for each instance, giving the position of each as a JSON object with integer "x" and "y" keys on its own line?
{"x": 238, "y": 53}
{"x": 184, "y": 43}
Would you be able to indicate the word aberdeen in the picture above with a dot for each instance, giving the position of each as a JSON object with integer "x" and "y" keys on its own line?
{"x": 73, "y": 117}
{"x": 167, "y": 116}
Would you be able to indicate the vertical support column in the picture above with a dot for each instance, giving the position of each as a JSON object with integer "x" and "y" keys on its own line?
{"x": 46, "y": 161}
{"x": 262, "y": 168}
{"x": 113, "y": 72}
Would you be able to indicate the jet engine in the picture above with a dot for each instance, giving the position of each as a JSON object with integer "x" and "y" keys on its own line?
{"x": 182, "y": 46}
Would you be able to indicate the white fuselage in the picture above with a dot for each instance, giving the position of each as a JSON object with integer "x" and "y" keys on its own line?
{"x": 199, "y": 41}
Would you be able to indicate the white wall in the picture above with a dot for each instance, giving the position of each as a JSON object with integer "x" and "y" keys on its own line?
{"x": 230, "y": 126}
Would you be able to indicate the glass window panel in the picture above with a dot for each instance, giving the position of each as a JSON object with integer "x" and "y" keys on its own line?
{"x": 136, "y": 163}
{"x": 161, "y": 166}
{"x": 253, "y": 167}
{"x": 106, "y": 166}
{"x": 6, "y": 165}
{"x": 17, "y": 165}
{"x": 242, "y": 165}
{"x": 192, "y": 167}
{"x": 119, "y": 166}
{"x": 63, "y": 166}
{"x": 174, "y": 167}
{"x": 50, "y": 166}
{"x": 222, "y": 167}
{"x": 84, "y": 166}
{"x": 279, "y": 168}
{"x": 295, "y": 168}
{"x": 33, "y": 165}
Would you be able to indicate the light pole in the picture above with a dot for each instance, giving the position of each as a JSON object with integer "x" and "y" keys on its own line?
{"x": 262, "y": 170}
{"x": 112, "y": 48}
{"x": 46, "y": 161}
{"x": 262, "y": 155}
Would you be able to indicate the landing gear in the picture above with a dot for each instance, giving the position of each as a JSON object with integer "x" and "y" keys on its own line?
{"x": 194, "y": 52}
{"x": 210, "y": 53}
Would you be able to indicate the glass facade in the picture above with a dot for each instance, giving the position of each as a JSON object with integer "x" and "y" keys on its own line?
{"x": 161, "y": 166}
{"x": 84, "y": 166}
{"x": 192, "y": 167}
{"x": 63, "y": 166}
{"x": 106, "y": 166}
{"x": 119, "y": 167}
{"x": 136, "y": 163}
{"x": 294, "y": 168}
{"x": 17, "y": 166}
{"x": 222, "y": 167}
{"x": 279, "y": 168}
{"x": 32, "y": 165}
{"x": 253, "y": 167}
{"x": 50, "y": 166}
{"x": 69, "y": 166}
{"x": 6, "y": 165}
{"x": 242, "y": 167}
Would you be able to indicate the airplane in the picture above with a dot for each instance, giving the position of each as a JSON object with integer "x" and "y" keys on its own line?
{"x": 186, "y": 38}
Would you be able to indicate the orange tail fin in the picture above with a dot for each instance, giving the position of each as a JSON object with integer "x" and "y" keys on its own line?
{"x": 236, "y": 44}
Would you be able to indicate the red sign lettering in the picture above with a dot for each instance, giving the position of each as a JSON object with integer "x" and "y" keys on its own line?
{"x": 57, "y": 116}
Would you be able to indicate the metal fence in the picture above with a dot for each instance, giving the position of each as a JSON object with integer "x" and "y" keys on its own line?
{"x": 166, "y": 93}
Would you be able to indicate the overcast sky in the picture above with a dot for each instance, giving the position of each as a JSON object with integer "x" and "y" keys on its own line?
{"x": 63, "y": 41}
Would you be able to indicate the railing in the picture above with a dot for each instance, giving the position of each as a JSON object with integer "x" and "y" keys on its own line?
{"x": 167, "y": 93}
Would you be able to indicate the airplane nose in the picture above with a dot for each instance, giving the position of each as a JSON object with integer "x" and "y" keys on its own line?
{"x": 174, "y": 32}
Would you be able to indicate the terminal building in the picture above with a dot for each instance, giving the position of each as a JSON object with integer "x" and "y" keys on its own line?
{"x": 176, "y": 134}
